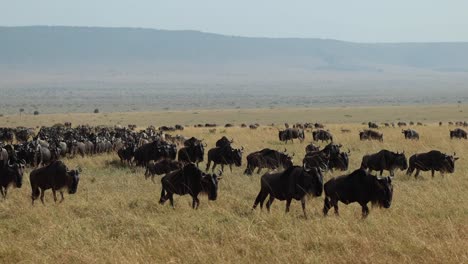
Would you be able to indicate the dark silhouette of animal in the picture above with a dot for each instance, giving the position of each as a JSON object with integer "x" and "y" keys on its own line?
{"x": 224, "y": 156}
{"x": 311, "y": 147}
{"x": 127, "y": 153}
{"x": 154, "y": 151}
{"x": 3, "y": 157}
{"x": 11, "y": 174}
{"x": 458, "y": 133}
{"x": 293, "y": 183}
{"x": 224, "y": 142}
{"x": 384, "y": 160}
{"x": 372, "y": 125}
{"x": 360, "y": 187}
{"x": 267, "y": 158}
{"x": 322, "y": 135}
{"x": 192, "y": 154}
{"x": 433, "y": 160}
{"x": 55, "y": 176}
{"x": 291, "y": 134}
{"x": 189, "y": 180}
{"x": 401, "y": 124}
{"x": 162, "y": 167}
{"x": 410, "y": 134}
{"x": 370, "y": 135}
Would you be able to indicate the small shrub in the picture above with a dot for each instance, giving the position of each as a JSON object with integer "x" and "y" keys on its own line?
{"x": 96, "y": 111}
{"x": 36, "y": 112}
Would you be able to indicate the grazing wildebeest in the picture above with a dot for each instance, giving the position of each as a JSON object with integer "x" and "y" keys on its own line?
{"x": 372, "y": 125}
{"x": 11, "y": 174}
{"x": 3, "y": 157}
{"x": 360, "y": 187}
{"x": 431, "y": 161}
{"x": 224, "y": 142}
{"x": 267, "y": 158}
{"x": 292, "y": 183}
{"x": 340, "y": 161}
{"x": 224, "y": 156}
{"x": 322, "y": 135}
{"x": 370, "y": 134}
{"x": 316, "y": 159}
{"x": 410, "y": 134}
{"x": 189, "y": 180}
{"x": 318, "y": 125}
{"x": 162, "y": 167}
{"x": 311, "y": 147}
{"x": 401, "y": 124}
{"x": 458, "y": 133}
{"x": 384, "y": 160}
{"x": 55, "y": 176}
{"x": 290, "y": 134}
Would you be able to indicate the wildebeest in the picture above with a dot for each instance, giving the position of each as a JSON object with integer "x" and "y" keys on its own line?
{"x": 410, "y": 134}
{"x": 126, "y": 153}
{"x": 154, "y": 151}
{"x": 401, "y": 124}
{"x": 384, "y": 160}
{"x": 11, "y": 174}
{"x": 3, "y": 157}
{"x": 458, "y": 133}
{"x": 193, "y": 151}
{"x": 431, "y": 161}
{"x": 292, "y": 183}
{"x": 360, "y": 187}
{"x": 55, "y": 176}
{"x": 311, "y": 147}
{"x": 372, "y": 125}
{"x": 322, "y": 135}
{"x": 162, "y": 167}
{"x": 189, "y": 180}
{"x": 370, "y": 134}
{"x": 224, "y": 142}
{"x": 291, "y": 134}
{"x": 267, "y": 158}
{"x": 224, "y": 156}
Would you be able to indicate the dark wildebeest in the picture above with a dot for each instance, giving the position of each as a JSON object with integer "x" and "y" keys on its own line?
{"x": 401, "y": 124}
{"x": 193, "y": 152}
{"x": 224, "y": 156}
{"x": 322, "y": 135}
{"x": 55, "y": 176}
{"x": 360, "y": 187}
{"x": 370, "y": 134}
{"x": 189, "y": 180}
{"x": 293, "y": 183}
{"x": 431, "y": 161}
{"x": 372, "y": 125}
{"x": 410, "y": 134}
{"x": 340, "y": 161}
{"x": 11, "y": 174}
{"x": 311, "y": 147}
{"x": 126, "y": 153}
{"x": 162, "y": 167}
{"x": 318, "y": 125}
{"x": 384, "y": 160}
{"x": 290, "y": 134}
{"x": 316, "y": 159}
{"x": 458, "y": 133}
{"x": 267, "y": 158}
{"x": 224, "y": 142}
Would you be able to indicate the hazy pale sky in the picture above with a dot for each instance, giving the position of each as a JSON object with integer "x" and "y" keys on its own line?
{"x": 351, "y": 20}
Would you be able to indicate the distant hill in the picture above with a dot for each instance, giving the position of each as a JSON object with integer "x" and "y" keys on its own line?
{"x": 55, "y": 46}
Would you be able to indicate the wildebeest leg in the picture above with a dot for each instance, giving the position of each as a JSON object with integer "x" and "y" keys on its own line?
{"x": 365, "y": 210}
{"x": 417, "y": 174}
{"x": 195, "y": 202}
{"x": 230, "y": 167}
{"x": 152, "y": 178}
{"x": 288, "y": 204}
{"x": 171, "y": 199}
{"x": 392, "y": 173}
{"x": 303, "y": 203}
{"x": 262, "y": 195}
{"x": 208, "y": 165}
{"x": 162, "y": 199}
{"x": 432, "y": 171}
{"x": 55, "y": 195}
{"x": 326, "y": 205}
{"x": 61, "y": 194}
{"x": 1, "y": 191}
{"x": 381, "y": 172}
{"x": 42, "y": 196}
{"x": 259, "y": 170}
{"x": 270, "y": 201}
{"x": 335, "y": 206}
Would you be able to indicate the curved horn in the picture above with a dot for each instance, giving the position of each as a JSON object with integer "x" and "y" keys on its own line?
{"x": 294, "y": 153}
{"x": 349, "y": 151}
{"x": 220, "y": 173}
{"x": 242, "y": 148}
{"x": 285, "y": 150}
{"x": 305, "y": 167}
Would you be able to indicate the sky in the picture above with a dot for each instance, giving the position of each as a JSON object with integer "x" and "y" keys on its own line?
{"x": 349, "y": 20}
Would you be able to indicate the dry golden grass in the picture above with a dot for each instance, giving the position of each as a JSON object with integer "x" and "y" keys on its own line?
{"x": 115, "y": 218}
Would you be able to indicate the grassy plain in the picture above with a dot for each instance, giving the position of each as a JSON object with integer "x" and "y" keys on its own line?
{"x": 115, "y": 218}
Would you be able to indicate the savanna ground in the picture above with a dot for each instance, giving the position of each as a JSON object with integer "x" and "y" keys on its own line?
{"x": 115, "y": 216}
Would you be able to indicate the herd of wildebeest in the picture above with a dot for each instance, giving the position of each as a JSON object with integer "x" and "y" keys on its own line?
{"x": 156, "y": 150}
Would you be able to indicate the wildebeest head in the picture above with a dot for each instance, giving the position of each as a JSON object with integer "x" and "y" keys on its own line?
{"x": 342, "y": 161}
{"x": 401, "y": 161}
{"x": 237, "y": 156}
{"x": 314, "y": 184}
{"x": 18, "y": 171}
{"x": 209, "y": 184}
{"x": 282, "y": 135}
{"x": 74, "y": 180}
{"x": 384, "y": 190}
{"x": 448, "y": 163}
